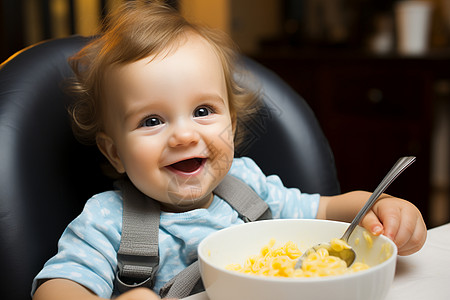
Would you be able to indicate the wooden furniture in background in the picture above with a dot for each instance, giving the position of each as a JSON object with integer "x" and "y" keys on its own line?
{"x": 373, "y": 110}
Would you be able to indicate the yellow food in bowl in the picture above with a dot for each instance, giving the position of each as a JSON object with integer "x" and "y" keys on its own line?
{"x": 280, "y": 262}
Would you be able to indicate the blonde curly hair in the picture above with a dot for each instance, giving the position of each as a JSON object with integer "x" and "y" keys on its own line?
{"x": 134, "y": 31}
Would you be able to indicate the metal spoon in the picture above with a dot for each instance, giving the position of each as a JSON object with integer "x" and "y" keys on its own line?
{"x": 349, "y": 255}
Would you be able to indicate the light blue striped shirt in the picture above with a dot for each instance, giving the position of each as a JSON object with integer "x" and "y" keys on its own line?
{"x": 88, "y": 247}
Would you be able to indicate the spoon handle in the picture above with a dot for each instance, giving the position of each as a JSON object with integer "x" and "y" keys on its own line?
{"x": 396, "y": 170}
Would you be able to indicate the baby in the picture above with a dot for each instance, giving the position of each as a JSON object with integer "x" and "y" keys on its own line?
{"x": 157, "y": 96}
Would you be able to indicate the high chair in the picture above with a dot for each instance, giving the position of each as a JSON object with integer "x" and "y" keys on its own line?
{"x": 46, "y": 175}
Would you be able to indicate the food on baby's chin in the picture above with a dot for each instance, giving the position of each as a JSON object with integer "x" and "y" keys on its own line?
{"x": 280, "y": 262}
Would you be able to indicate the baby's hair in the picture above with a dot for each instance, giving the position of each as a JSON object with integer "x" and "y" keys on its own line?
{"x": 136, "y": 30}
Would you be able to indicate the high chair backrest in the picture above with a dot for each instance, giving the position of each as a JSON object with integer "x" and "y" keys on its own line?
{"x": 46, "y": 175}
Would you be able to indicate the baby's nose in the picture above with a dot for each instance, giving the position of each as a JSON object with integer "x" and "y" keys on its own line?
{"x": 183, "y": 135}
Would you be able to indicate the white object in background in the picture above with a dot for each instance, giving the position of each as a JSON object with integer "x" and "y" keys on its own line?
{"x": 413, "y": 26}
{"x": 382, "y": 41}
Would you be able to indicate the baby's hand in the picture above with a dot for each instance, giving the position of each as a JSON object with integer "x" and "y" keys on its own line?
{"x": 400, "y": 221}
{"x": 139, "y": 294}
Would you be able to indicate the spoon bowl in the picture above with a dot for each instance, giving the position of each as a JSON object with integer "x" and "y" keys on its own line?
{"x": 347, "y": 253}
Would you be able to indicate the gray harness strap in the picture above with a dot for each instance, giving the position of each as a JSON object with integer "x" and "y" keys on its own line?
{"x": 185, "y": 283}
{"x": 138, "y": 257}
{"x": 243, "y": 199}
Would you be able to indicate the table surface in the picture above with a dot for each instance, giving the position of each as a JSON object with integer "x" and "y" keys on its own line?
{"x": 422, "y": 275}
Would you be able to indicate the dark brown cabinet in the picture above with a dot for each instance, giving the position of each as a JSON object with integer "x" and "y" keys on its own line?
{"x": 373, "y": 110}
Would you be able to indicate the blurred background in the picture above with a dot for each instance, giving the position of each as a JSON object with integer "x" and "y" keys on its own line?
{"x": 374, "y": 100}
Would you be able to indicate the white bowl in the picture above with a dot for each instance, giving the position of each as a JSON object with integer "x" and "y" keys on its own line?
{"x": 237, "y": 243}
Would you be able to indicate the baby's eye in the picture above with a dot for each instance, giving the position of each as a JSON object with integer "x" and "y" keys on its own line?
{"x": 203, "y": 111}
{"x": 151, "y": 121}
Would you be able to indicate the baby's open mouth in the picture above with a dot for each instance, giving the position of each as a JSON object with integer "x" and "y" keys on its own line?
{"x": 188, "y": 165}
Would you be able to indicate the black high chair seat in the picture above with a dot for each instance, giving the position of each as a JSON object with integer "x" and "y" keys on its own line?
{"x": 46, "y": 175}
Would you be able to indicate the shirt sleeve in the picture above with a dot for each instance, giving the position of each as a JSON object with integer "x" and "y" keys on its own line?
{"x": 87, "y": 248}
{"x": 285, "y": 203}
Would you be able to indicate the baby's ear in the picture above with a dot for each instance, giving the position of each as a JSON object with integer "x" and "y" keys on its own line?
{"x": 107, "y": 146}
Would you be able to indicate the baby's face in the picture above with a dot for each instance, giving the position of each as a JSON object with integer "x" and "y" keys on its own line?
{"x": 168, "y": 125}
